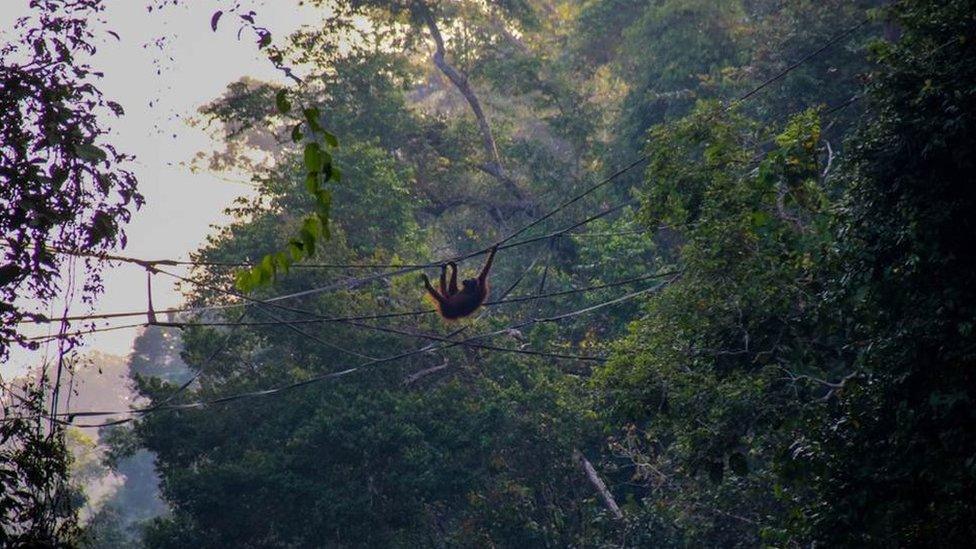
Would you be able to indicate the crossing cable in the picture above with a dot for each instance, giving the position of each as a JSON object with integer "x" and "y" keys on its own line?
{"x": 248, "y": 264}
{"x": 360, "y": 325}
{"x": 47, "y": 338}
{"x": 210, "y": 358}
{"x": 517, "y": 299}
{"x": 169, "y": 398}
{"x": 54, "y": 337}
{"x": 432, "y": 337}
{"x": 354, "y": 283}
{"x": 566, "y": 204}
{"x": 290, "y": 325}
{"x": 342, "y": 373}
{"x": 485, "y": 312}
{"x": 239, "y": 264}
{"x": 551, "y": 236}
{"x": 634, "y": 164}
{"x": 826, "y": 46}
{"x": 503, "y": 243}
{"x": 348, "y": 284}
{"x": 318, "y": 319}
{"x": 447, "y": 344}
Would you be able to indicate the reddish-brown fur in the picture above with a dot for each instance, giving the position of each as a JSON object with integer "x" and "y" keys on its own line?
{"x": 453, "y": 303}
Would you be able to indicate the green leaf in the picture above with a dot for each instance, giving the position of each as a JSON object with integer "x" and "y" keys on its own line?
{"x": 9, "y": 273}
{"x": 312, "y": 183}
{"x": 297, "y": 249}
{"x": 309, "y": 243}
{"x": 312, "y": 117}
{"x": 323, "y": 209}
{"x": 330, "y": 138}
{"x": 310, "y": 232}
{"x": 313, "y": 157}
{"x": 314, "y": 226}
{"x": 264, "y": 275}
{"x": 283, "y": 260}
{"x": 257, "y": 278}
{"x": 281, "y": 102}
{"x": 268, "y": 265}
{"x": 90, "y": 152}
{"x": 323, "y": 199}
{"x": 242, "y": 280}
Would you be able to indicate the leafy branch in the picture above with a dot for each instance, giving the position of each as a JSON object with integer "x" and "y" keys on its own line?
{"x": 317, "y": 162}
{"x": 319, "y": 171}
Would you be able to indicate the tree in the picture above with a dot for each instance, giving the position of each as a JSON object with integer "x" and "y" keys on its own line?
{"x": 63, "y": 186}
{"x": 893, "y": 457}
{"x": 37, "y": 505}
{"x": 701, "y": 389}
{"x": 805, "y": 381}
{"x": 156, "y": 353}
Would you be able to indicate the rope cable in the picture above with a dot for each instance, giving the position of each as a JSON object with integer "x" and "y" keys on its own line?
{"x": 341, "y": 373}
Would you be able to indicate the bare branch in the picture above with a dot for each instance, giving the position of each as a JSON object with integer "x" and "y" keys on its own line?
{"x": 830, "y": 160}
{"x": 598, "y": 483}
{"x": 460, "y": 81}
{"x": 414, "y": 377}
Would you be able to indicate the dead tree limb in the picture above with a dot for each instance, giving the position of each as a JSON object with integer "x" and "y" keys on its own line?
{"x": 414, "y": 377}
{"x": 598, "y": 483}
{"x": 493, "y": 166}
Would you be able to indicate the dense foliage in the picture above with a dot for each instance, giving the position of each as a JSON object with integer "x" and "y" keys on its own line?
{"x": 771, "y": 332}
{"x": 808, "y": 378}
{"x": 36, "y": 504}
{"x": 63, "y": 186}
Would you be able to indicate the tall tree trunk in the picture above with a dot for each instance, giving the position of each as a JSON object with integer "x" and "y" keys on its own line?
{"x": 493, "y": 164}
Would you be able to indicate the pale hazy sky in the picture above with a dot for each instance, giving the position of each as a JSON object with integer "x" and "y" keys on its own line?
{"x": 180, "y": 205}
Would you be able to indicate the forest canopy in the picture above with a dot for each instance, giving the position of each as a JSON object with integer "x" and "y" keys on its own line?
{"x": 730, "y": 307}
